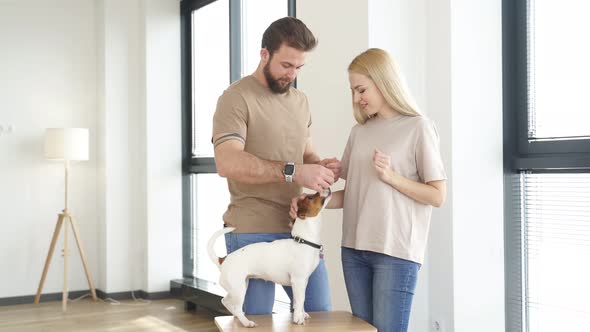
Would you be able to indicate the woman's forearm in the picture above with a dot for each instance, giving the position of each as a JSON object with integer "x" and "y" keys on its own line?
{"x": 337, "y": 200}
{"x": 432, "y": 193}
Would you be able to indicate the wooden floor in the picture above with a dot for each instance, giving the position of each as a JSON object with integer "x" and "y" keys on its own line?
{"x": 86, "y": 315}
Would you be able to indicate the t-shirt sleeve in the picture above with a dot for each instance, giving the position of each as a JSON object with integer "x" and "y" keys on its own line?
{"x": 345, "y": 160}
{"x": 231, "y": 117}
{"x": 428, "y": 158}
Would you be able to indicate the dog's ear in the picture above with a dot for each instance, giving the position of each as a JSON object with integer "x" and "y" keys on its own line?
{"x": 301, "y": 207}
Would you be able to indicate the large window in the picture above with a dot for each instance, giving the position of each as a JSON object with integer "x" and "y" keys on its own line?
{"x": 221, "y": 44}
{"x": 210, "y": 75}
{"x": 558, "y": 70}
{"x": 547, "y": 165}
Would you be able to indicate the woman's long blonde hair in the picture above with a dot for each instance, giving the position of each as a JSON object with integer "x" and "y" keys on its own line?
{"x": 377, "y": 65}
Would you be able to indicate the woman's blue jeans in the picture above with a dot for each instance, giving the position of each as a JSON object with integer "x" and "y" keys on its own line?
{"x": 260, "y": 295}
{"x": 380, "y": 288}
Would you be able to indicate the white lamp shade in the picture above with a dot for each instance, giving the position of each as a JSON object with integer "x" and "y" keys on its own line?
{"x": 66, "y": 143}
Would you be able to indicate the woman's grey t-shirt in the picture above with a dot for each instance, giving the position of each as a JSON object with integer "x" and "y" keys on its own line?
{"x": 377, "y": 217}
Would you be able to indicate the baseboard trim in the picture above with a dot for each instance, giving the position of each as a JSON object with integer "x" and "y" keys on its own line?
{"x": 129, "y": 295}
{"x": 29, "y": 299}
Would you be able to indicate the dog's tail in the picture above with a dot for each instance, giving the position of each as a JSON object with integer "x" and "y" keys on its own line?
{"x": 217, "y": 260}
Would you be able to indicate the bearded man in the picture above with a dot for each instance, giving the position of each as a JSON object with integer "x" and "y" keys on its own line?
{"x": 263, "y": 146}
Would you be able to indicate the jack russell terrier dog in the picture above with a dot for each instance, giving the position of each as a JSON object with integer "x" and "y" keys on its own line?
{"x": 288, "y": 262}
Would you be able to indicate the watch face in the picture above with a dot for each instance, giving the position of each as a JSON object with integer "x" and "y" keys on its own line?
{"x": 289, "y": 169}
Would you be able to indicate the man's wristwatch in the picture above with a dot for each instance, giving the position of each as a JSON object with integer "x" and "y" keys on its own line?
{"x": 289, "y": 171}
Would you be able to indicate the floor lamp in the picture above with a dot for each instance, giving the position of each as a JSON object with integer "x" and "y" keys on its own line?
{"x": 66, "y": 144}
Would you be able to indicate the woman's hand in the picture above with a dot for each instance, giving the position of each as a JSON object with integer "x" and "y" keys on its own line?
{"x": 334, "y": 165}
{"x": 382, "y": 164}
{"x": 431, "y": 193}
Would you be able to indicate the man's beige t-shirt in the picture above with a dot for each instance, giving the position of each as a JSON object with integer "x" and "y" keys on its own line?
{"x": 377, "y": 217}
{"x": 272, "y": 127}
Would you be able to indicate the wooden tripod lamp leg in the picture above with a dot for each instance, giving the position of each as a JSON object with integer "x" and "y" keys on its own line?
{"x": 64, "y": 294}
{"x": 83, "y": 257}
{"x": 49, "y": 255}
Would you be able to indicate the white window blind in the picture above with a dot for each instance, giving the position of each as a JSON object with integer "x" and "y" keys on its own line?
{"x": 556, "y": 246}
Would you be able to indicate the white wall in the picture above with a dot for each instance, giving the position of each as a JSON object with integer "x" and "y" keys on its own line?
{"x": 140, "y": 124}
{"x": 476, "y": 103}
{"x": 122, "y": 161}
{"x": 399, "y": 26}
{"x": 48, "y": 79}
{"x": 439, "y": 107}
{"x": 325, "y": 81}
{"x": 164, "y": 159}
{"x": 67, "y": 63}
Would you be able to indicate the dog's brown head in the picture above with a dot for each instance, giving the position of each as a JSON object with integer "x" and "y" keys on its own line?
{"x": 312, "y": 205}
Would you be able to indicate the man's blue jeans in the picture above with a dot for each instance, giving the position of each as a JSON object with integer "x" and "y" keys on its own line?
{"x": 380, "y": 288}
{"x": 260, "y": 295}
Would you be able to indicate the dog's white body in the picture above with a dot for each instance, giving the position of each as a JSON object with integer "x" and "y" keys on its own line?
{"x": 285, "y": 262}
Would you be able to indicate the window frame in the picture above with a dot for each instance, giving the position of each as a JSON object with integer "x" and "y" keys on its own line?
{"x": 525, "y": 153}
{"x": 522, "y": 154}
{"x": 200, "y": 165}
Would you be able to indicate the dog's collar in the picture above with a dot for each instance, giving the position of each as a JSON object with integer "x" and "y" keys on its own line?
{"x": 311, "y": 244}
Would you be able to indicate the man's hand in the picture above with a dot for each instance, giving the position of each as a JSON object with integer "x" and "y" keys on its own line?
{"x": 334, "y": 165}
{"x": 313, "y": 176}
{"x": 294, "y": 206}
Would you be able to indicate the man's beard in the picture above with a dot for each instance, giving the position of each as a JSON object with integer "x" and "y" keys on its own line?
{"x": 274, "y": 84}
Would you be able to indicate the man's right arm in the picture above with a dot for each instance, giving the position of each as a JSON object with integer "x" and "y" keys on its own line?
{"x": 234, "y": 163}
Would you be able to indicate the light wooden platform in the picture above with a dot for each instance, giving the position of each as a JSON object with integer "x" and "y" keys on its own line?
{"x": 336, "y": 321}
{"x": 88, "y": 316}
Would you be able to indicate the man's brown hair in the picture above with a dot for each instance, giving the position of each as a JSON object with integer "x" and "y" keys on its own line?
{"x": 291, "y": 31}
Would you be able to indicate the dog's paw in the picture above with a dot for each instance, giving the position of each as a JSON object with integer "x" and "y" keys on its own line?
{"x": 248, "y": 323}
{"x": 306, "y": 315}
{"x": 299, "y": 317}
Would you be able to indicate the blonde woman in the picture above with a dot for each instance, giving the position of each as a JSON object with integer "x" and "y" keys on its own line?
{"x": 394, "y": 176}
